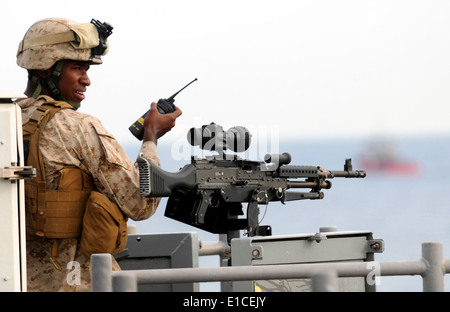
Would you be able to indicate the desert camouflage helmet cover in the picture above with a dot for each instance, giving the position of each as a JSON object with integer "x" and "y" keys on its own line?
{"x": 51, "y": 40}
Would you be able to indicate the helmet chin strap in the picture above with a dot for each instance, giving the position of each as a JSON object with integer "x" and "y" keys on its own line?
{"x": 52, "y": 83}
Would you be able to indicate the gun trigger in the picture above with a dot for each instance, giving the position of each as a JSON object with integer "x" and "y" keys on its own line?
{"x": 201, "y": 209}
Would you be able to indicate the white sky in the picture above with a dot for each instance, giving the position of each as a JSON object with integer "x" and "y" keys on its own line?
{"x": 304, "y": 68}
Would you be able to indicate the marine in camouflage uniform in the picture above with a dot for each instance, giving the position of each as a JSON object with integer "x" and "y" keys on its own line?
{"x": 75, "y": 139}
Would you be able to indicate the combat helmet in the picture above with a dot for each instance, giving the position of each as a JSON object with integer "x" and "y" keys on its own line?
{"x": 51, "y": 41}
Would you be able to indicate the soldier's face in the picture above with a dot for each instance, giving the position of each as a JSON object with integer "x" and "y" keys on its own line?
{"x": 74, "y": 80}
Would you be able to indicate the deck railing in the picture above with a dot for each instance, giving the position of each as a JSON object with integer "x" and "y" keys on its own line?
{"x": 431, "y": 267}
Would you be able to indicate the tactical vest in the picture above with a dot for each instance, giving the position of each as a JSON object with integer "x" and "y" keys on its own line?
{"x": 52, "y": 213}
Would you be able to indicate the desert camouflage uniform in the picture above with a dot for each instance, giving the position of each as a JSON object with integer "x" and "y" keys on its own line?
{"x": 76, "y": 139}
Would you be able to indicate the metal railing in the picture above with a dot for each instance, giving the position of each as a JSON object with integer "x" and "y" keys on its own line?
{"x": 431, "y": 267}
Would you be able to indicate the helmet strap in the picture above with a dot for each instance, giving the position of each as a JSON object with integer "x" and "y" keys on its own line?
{"x": 52, "y": 84}
{"x": 38, "y": 89}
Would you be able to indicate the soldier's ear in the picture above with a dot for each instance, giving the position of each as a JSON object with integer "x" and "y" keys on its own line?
{"x": 44, "y": 73}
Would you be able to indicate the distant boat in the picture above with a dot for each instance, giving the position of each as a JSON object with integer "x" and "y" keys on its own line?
{"x": 382, "y": 157}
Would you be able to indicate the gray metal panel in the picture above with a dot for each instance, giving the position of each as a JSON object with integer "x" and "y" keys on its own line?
{"x": 300, "y": 251}
{"x": 161, "y": 251}
{"x": 304, "y": 248}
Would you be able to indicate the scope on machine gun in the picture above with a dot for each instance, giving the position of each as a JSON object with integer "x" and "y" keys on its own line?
{"x": 212, "y": 137}
{"x": 208, "y": 193}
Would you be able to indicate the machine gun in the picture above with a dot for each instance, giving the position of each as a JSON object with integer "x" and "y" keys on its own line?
{"x": 208, "y": 193}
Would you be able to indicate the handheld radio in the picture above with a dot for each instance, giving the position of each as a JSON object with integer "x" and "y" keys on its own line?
{"x": 165, "y": 106}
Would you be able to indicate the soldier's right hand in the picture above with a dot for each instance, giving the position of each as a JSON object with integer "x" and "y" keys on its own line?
{"x": 156, "y": 124}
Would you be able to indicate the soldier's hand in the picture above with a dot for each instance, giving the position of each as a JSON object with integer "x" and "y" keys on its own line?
{"x": 156, "y": 124}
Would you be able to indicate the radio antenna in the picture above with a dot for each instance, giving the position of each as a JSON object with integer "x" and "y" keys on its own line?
{"x": 172, "y": 97}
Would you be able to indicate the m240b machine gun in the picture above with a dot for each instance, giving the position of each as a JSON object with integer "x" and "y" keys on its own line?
{"x": 208, "y": 193}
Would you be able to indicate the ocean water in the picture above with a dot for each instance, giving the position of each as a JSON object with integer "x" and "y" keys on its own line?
{"x": 404, "y": 211}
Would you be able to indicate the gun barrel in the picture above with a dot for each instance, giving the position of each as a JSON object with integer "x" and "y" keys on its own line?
{"x": 348, "y": 174}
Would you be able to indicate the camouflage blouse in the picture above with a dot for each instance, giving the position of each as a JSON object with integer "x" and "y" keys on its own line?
{"x": 75, "y": 139}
